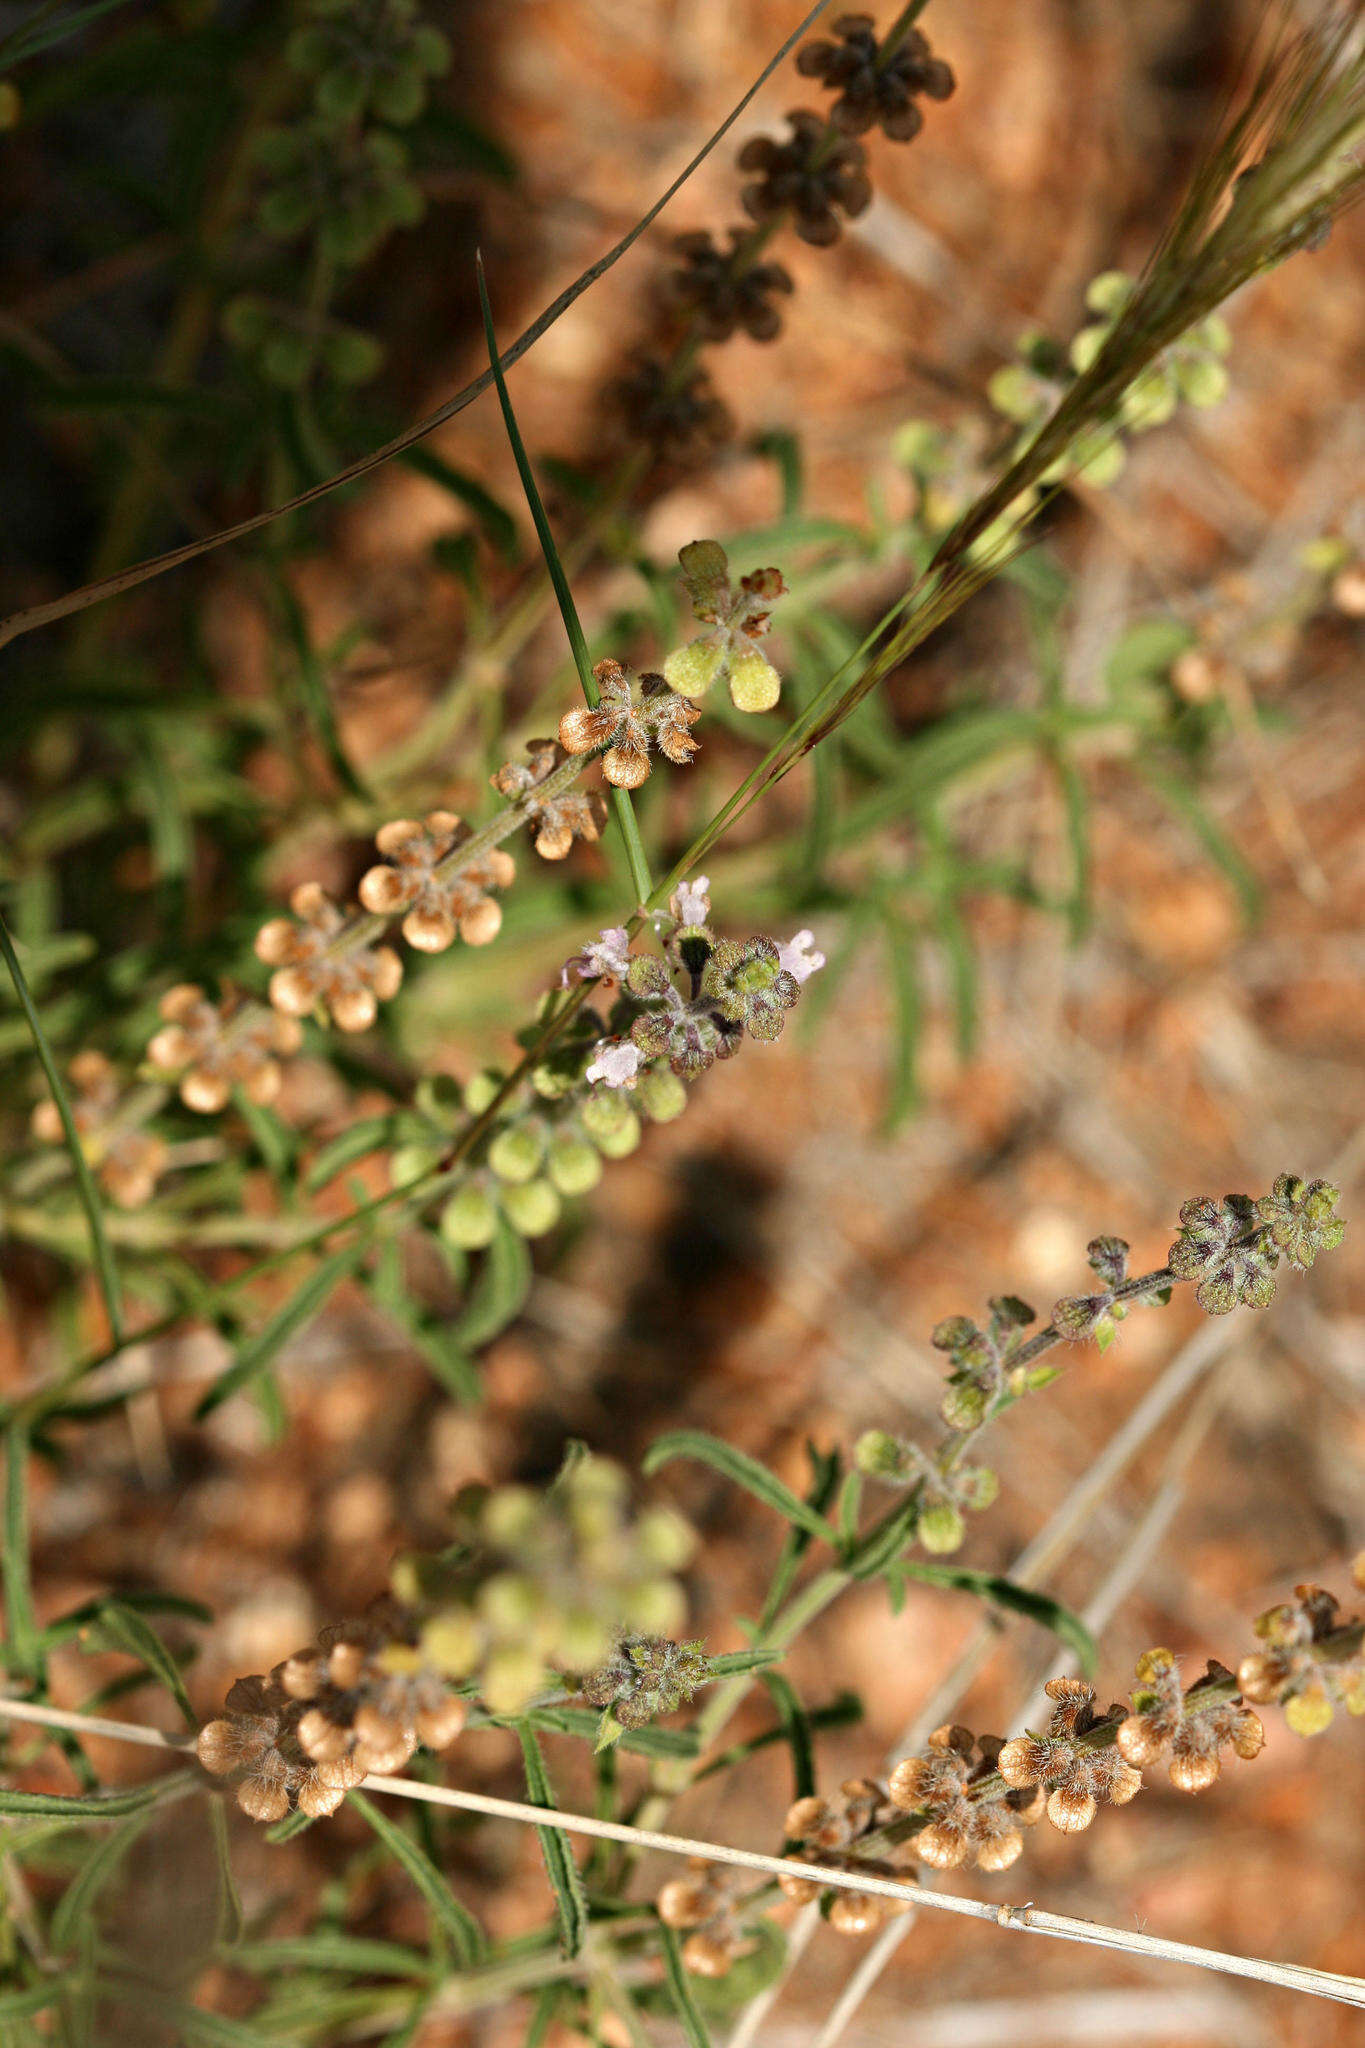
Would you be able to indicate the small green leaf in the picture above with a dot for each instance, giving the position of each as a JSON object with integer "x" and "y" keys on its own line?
{"x": 231, "y": 1919}
{"x": 679, "y": 1985}
{"x": 126, "y": 1630}
{"x": 744, "y": 1471}
{"x": 496, "y": 521}
{"x": 560, "y": 1867}
{"x": 499, "y": 1293}
{"x": 332, "y": 1949}
{"x": 85, "y": 1180}
{"x": 74, "y": 1807}
{"x": 259, "y": 1352}
{"x": 1002, "y": 1592}
{"x": 78, "y": 1900}
{"x": 796, "y": 1730}
{"x": 453, "y": 1919}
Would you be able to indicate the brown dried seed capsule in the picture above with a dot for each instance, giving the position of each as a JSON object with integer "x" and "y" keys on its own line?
{"x": 317, "y": 1798}
{"x": 1260, "y": 1677}
{"x": 707, "y": 1955}
{"x": 684, "y": 1902}
{"x": 1140, "y": 1739}
{"x": 803, "y": 1890}
{"x": 439, "y": 1726}
{"x": 1194, "y": 1771}
{"x": 262, "y": 1799}
{"x": 220, "y": 1748}
{"x": 907, "y": 1786}
{"x": 321, "y": 1738}
{"x": 1123, "y": 1784}
{"x": 855, "y": 1913}
{"x": 1021, "y": 1761}
{"x": 805, "y": 1817}
{"x": 943, "y": 1844}
{"x": 1248, "y": 1734}
{"x": 1001, "y": 1851}
{"x": 1070, "y": 1811}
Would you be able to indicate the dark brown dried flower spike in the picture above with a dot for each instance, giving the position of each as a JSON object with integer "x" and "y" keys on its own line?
{"x": 877, "y": 88}
{"x": 679, "y": 417}
{"x": 723, "y": 293}
{"x": 809, "y": 177}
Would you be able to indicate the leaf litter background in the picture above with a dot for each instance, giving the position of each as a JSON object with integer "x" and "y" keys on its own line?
{"x": 769, "y": 1268}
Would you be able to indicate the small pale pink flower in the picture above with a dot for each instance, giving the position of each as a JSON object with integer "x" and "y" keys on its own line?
{"x": 616, "y": 1062}
{"x": 607, "y": 957}
{"x": 799, "y": 957}
{"x": 691, "y": 901}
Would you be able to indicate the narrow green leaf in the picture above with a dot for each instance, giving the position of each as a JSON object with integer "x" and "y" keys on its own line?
{"x": 20, "y": 1627}
{"x": 21, "y": 2005}
{"x": 499, "y": 1293}
{"x": 796, "y": 1732}
{"x": 231, "y": 1919}
{"x": 314, "y": 691}
{"x": 549, "y": 1998}
{"x": 625, "y": 811}
{"x": 1181, "y": 797}
{"x": 744, "y": 1471}
{"x": 453, "y": 1919}
{"x": 368, "y": 1134}
{"x": 73, "y": 1807}
{"x": 902, "y": 1095}
{"x": 679, "y": 1986}
{"x": 841, "y": 1712}
{"x": 736, "y": 1662}
{"x": 497, "y": 523}
{"x": 560, "y": 1867}
{"x": 785, "y": 450}
{"x": 332, "y": 1949}
{"x": 127, "y": 1630}
{"x": 1002, "y": 1592}
{"x": 85, "y": 1180}
{"x": 78, "y": 1900}
{"x": 257, "y": 1354}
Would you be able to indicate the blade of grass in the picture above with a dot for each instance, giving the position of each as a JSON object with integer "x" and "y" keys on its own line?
{"x": 679, "y": 1987}
{"x": 568, "y": 611}
{"x": 256, "y": 1355}
{"x": 20, "y": 1627}
{"x": 85, "y": 1180}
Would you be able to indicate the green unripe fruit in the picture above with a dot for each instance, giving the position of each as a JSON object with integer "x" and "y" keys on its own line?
{"x": 582, "y": 1640}
{"x": 755, "y": 684}
{"x": 661, "y": 1095}
{"x": 1203, "y": 382}
{"x": 621, "y": 1142}
{"x": 656, "y": 1607}
{"x": 532, "y": 1207}
{"x": 941, "y": 1528}
{"x": 573, "y": 1164}
{"x": 604, "y": 1114}
{"x": 878, "y": 1455}
{"x": 480, "y": 1089}
{"x": 508, "y": 1516}
{"x": 664, "y": 1539}
{"x": 452, "y": 1643}
{"x": 963, "y": 1407}
{"x": 516, "y": 1152}
{"x": 509, "y": 1603}
{"x": 469, "y": 1219}
{"x": 511, "y": 1677}
{"x": 409, "y": 1162}
{"x": 691, "y": 670}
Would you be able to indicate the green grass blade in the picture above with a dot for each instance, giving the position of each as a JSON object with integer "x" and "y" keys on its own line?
{"x": 742, "y": 1470}
{"x": 85, "y": 1180}
{"x": 21, "y": 1629}
{"x": 568, "y": 611}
